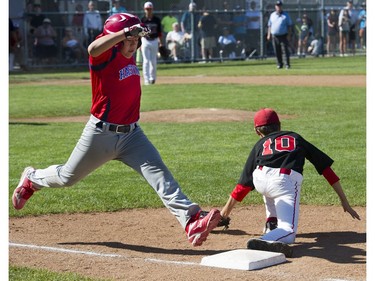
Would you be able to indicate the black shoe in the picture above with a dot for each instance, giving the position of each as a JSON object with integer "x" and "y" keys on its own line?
{"x": 270, "y": 246}
{"x": 152, "y": 81}
{"x": 270, "y": 225}
{"x": 287, "y": 66}
{"x": 280, "y": 66}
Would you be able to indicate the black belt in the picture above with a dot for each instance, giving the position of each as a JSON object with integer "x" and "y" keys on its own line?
{"x": 117, "y": 128}
{"x": 284, "y": 171}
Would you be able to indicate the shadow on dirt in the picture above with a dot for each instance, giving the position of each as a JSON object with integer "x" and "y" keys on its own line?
{"x": 332, "y": 246}
{"x": 147, "y": 249}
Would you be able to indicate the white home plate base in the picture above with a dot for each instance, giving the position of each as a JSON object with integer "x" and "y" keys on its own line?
{"x": 244, "y": 259}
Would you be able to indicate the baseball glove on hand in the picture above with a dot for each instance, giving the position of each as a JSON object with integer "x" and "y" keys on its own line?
{"x": 139, "y": 29}
{"x": 224, "y": 222}
{"x": 164, "y": 53}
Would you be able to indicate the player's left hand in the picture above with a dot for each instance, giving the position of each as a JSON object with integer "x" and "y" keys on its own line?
{"x": 350, "y": 210}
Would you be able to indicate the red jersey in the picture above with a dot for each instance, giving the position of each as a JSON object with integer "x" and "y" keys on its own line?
{"x": 116, "y": 87}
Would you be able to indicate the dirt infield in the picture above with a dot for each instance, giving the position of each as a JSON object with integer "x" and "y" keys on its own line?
{"x": 149, "y": 244}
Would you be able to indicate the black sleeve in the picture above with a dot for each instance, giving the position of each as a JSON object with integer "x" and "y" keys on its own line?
{"x": 246, "y": 177}
{"x": 318, "y": 158}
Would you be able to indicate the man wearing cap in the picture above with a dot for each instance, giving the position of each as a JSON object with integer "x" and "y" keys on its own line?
{"x": 274, "y": 168}
{"x": 280, "y": 30}
{"x": 150, "y": 44}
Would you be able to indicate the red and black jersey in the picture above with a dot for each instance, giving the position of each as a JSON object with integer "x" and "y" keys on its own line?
{"x": 283, "y": 149}
{"x": 116, "y": 87}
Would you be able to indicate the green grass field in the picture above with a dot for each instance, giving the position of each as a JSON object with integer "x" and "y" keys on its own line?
{"x": 206, "y": 158}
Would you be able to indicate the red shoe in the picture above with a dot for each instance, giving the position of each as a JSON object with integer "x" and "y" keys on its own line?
{"x": 24, "y": 190}
{"x": 198, "y": 230}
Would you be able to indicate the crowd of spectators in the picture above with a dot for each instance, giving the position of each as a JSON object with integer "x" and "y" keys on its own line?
{"x": 205, "y": 35}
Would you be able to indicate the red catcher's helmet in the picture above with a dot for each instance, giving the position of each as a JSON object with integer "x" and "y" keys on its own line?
{"x": 118, "y": 22}
{"x": 266, "y": 116}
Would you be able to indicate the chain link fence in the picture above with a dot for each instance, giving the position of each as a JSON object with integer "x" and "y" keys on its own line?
{"x": 250, "y": 44}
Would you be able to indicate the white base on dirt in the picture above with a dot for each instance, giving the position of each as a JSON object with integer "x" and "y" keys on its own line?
{"x": 244, "y": 259}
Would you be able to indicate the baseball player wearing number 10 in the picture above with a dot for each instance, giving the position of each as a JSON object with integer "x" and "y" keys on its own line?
{"x": 274, "y": 168}
{"x": 113, "y": 132}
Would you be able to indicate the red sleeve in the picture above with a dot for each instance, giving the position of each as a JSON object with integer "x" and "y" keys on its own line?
{"x": 240, "y": 192}
{"x": 330, "y": 175}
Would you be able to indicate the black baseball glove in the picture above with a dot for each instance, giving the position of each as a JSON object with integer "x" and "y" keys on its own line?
{"x": 224, "y": 222}
{"x": 164, "y": 52}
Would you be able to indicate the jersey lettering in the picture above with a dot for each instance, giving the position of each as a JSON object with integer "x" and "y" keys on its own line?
{"x": 282, "y": 143}
{"x": 127, "y": 71}
{"x": 267, "y": 147}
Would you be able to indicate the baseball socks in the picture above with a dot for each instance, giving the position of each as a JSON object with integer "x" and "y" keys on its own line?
{"x": 199, "y": 227}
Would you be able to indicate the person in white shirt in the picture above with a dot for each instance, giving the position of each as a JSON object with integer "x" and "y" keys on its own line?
{"x": 92, "y": 23}
{"x": 175, "y": 41}
{"x": 227, "y": 44}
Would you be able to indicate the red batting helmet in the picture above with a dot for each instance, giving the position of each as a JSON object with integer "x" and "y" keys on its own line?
{"x": 119, "y": 21}
{"x": 265, "y": 116}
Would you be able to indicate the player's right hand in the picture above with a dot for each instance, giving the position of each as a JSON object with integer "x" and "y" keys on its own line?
{"x": 139, "y": 30}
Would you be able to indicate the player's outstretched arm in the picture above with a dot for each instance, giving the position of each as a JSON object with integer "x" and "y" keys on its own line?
{"x": 225, "y": 212}
{"x": 344, "y": 201}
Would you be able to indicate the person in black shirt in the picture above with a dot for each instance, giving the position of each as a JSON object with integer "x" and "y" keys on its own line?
{"x": 274, "y": 168}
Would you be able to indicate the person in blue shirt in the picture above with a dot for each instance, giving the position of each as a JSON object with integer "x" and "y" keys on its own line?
{"x": 280, "y": 30}
{"x": 362, "y": 26}
{"x": 117, "y": 8}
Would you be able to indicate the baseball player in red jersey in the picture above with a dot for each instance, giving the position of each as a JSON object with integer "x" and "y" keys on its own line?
{"x": 113, "y": 131}
{"x": 274, "y": 168}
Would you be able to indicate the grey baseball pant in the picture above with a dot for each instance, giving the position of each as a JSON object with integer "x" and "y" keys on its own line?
{"x": 97, "y": 146}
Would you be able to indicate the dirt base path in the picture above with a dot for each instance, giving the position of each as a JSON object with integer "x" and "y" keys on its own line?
{"x": 150, "y": 245}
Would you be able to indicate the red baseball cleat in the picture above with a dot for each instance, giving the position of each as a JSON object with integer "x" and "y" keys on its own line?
{"x": 198, "y": 230}
{"x": 24, "y": 190}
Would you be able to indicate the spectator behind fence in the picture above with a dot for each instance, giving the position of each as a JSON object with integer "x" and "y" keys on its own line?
{"x": 19, "y": 48}
{"x": 352, "y": 15}
{"x": 362, "y": 26}
{"x": 167, "y": 21}
{"x": 207, "y": 25}
{"x": 332, "y": 34}
{"x": 253, "y": 30}
{"x": 36, "y": 19}
{"x": 45, "y": 44}
{"x": 227, "y": 43}
{"x": 344, "y": 25}
{"x": 73, "y": 50}
{"x": 225, "y": 18}
{"x": 186, "y": 23}
{"x": 239, "y": 28}
{"x": 92, "y": 23}
{"x": 117, "y": 8}
{"x": 77, "y": 23}
{"x": 305, "y": 32}
{"x": 316, "y": 46}
{"x": 176, "y": 42}
{"x": 13, "y": 41}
